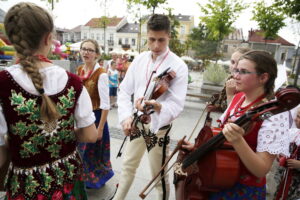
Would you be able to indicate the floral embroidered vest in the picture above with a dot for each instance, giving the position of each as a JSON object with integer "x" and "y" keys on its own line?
{"x": 91, "y": 84}
{"x": 44, "y": 159}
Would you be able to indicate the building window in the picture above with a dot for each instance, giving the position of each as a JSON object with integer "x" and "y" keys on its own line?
{"x": 120, "y": 41}
{"x": 283, "y": 55}
{"x": 133, "y": 42}
{"x": 225, "y": 48}
{"x": 182, "y": 30}
{"x": 98, "y": 36}
{"x": 111, "y": 37}
{"x": 92, "y": 35}
{"x": 126, "y": 40}
{"x": 85, "y": 36}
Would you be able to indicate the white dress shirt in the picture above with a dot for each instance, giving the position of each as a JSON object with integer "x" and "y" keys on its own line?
{"x": 135, "y": 81}
{"x": 103, "y": 89}
{"x": 55, "y": 79}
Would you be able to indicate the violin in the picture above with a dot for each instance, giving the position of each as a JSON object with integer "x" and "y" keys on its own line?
{"x": 153, "y": 90}
{"x": 208, "y": 167}
{"x": 288, "y": 174}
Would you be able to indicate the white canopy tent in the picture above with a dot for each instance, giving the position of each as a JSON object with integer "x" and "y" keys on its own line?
{"x": 281, "y": 76}
{"x": 187, "y": 58}
{"x": 75, "y": 46}
{"x": 63, "y": 48}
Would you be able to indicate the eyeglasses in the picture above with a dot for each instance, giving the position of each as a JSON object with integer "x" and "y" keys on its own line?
{"x": 87, "y": 50}
{"x": 243, "y": 72}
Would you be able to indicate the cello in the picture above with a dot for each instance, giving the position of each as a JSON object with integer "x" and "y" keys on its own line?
{"x": 188, "y": 182}
{"x": 286, "y": 180}
{"x": 215, "y": 158}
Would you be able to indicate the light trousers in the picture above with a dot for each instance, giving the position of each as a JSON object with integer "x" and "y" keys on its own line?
{"x": 133, "y": 154}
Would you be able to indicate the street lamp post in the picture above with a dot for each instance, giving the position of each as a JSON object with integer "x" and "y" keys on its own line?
{"x": 297, "y": 73}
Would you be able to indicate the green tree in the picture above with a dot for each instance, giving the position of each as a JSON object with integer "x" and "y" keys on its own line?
{"x": 103, "y": 22}
{"x": 292, "y": 9}
{"x": 135, "y": 9}
{"x": 269, "y": 19}
{"x": 199, "y": 40}
{"x": 289, "y": 7}
{"x": 150, "y": 4}
{"x": 219, "y": 15}
{"x": 175, "y": 45}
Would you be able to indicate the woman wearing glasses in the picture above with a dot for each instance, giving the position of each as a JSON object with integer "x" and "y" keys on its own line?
{"x": 254, "y": 76}
{"x": 96, "y": 156}
{"x": 230, "y": 83}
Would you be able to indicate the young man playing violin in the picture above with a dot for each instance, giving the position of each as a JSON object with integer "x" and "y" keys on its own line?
{"x": 153, "y": 137}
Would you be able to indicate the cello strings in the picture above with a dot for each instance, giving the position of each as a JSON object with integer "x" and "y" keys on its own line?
{"x": 197, "y": 124}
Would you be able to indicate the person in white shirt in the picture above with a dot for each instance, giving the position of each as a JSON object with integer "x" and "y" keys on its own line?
{"x": 96, "y": 156}
{"x": 287, "y": 175}
{"x": 154, "y": 136}
{"x": 113, "y": 83}
{"x": 40, "y": 105}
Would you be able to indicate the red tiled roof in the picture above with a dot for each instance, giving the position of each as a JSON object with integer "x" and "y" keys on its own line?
{"x": 257, "y": 36}
{"x": 95, "y": 22}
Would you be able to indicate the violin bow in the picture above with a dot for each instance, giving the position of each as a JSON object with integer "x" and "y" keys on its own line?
{"x": 179, "y": 144}
{"x": 135, "y": 115}
{"x": 142, "y": 194}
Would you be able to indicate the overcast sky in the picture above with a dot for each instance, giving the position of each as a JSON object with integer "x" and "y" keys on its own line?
{"x": 71, "y": 13}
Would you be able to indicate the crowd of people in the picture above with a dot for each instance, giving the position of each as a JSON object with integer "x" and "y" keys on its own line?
{"x": 54, "y": 130}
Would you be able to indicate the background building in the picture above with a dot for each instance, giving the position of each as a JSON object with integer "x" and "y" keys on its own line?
{"x": 282, "y": 50}
{"x": 104, "y": 31}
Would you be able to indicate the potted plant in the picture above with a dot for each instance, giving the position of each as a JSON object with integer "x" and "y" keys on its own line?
{"x": 214, "y": 78}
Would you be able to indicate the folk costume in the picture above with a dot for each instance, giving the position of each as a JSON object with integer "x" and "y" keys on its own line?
{"x": 155, "y": 136}
{"x": 288, "y": 186}
{"x": 96, "y": 156}
{"x": 44, "y": 160}
{"x": 267, "y": 135}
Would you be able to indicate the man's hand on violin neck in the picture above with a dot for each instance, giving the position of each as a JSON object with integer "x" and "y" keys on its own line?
{"x": 139, "y": 105}
{"x": 155, "y": 104}
{"x": 126, "y": 126}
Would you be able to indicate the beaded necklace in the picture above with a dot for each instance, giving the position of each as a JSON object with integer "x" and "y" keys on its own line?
{"x": 82, "y": 75}
{"x": 239, "y": 110}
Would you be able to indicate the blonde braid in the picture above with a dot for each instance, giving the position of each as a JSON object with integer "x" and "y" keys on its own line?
{"x": 26, "y": 24}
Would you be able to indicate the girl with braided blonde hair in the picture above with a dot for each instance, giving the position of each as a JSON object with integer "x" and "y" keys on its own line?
{"x": 39, "y": 105}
